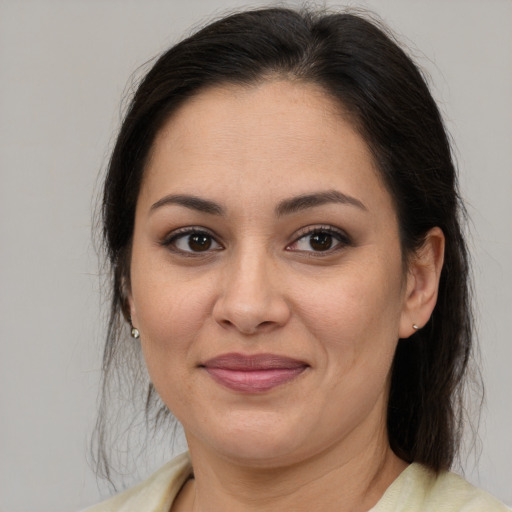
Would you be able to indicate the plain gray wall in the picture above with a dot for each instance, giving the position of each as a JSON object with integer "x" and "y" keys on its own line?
{"x": 63, "y": 68}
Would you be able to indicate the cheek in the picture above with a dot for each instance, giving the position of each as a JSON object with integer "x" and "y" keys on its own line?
{"x": 170, "y": 322}
{"x": 169, "y": 319}
{"x": 354, "y": 321}
{"x": 171, "y": 309}
{"x": 355, "y": 313}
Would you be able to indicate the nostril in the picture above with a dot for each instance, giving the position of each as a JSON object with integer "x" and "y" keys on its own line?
{"x": 247, "y": 329}
{"x": 250, "y": 311}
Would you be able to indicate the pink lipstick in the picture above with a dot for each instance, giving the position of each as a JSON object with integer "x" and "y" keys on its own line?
{"x": 253, "y": 373}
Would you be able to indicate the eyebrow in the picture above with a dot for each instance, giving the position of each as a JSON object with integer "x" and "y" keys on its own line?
{"x": 286, "y": 207}
{"x": 192, "y": 202}
{"x": 303, "y": 202}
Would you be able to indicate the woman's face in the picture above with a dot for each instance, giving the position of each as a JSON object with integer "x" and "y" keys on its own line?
{"x": 266, "y": 275}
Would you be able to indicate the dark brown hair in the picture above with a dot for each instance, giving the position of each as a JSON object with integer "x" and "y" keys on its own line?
{"x": 360, "y": 66}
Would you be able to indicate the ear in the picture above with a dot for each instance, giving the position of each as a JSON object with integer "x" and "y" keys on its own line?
{"x": 131, "y": 308}
{"x": 127, "y": 304}
{"x": 422, "y": 285}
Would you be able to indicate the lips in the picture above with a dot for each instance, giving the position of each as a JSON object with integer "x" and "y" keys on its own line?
{"x": 253, "y": 373}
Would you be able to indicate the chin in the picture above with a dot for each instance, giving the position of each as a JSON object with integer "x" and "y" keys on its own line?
{"x": 261, "y": 453}
{"x": 257, "y": 441}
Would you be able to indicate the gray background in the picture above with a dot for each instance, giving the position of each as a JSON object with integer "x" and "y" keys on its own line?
{"x": 63, "y": 68}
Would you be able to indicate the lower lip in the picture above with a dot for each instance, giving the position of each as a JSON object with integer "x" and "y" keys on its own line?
{"x": 254, "y": 381}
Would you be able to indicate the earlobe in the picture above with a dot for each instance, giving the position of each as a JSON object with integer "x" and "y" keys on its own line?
{"x": 133, "y": 317}
{"x": 422, "y": 283}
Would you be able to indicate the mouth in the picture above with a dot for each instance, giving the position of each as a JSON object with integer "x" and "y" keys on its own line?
{"x": 253, "y": 373}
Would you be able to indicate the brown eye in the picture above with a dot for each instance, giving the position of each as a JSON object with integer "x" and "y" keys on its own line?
{"x": 192, "y": 242}
{"x": 321, "y": 241}
{"x": 199, "y": 242}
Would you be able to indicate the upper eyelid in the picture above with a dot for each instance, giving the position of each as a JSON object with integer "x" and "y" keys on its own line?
{"x": 170, "y": 242}
{"x": 318, "y": 228}
{"x": 343, "y": 238}
{"x": 175, "y": 234}
{"x": 187, "y": 230}
{"x": 300, "y": 233}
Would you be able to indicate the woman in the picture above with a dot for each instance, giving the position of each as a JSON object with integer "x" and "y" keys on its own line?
{"x": 282, "y": 220}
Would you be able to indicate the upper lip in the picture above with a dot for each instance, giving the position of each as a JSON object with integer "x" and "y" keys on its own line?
{"x": 255, "y": 362}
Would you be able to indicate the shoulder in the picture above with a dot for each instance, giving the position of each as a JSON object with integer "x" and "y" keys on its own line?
{"x": 418, "y": 489}
{"x": 460, "y": 491}
{"x": 154, "y": 494}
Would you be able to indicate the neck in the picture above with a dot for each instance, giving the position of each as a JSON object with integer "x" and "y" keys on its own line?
{"x": 338, "y": 480}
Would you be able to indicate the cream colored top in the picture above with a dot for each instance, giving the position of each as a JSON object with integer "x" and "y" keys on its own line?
{"x": 417, "y": 489}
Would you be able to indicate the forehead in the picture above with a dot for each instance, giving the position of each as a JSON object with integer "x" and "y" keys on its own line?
{"x": 281, "y": 137}
{"x": 246, "y": 116}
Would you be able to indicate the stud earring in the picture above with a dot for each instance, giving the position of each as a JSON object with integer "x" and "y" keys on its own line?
{"x": 135, "y": 333}
{"x": 415, "y": 327}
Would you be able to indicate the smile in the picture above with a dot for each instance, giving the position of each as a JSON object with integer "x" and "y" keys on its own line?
{"x": 253, "y": 374}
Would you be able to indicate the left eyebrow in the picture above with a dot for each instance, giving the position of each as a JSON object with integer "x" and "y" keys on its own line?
{"x": 303, "y": 202}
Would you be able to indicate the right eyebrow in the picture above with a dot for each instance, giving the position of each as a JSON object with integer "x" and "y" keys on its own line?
{"x": 191, "y": 202}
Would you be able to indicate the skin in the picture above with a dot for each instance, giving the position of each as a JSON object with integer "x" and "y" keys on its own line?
{"x": 318, "y": 441}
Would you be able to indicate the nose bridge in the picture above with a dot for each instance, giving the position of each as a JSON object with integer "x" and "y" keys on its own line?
{"x": 251, "y": 270}
{"x": 251, "y": 297}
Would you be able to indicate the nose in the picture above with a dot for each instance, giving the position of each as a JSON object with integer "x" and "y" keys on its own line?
{"x": 251, "y": 298}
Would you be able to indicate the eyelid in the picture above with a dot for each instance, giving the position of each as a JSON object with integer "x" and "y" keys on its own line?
{"x": 342, "y": 238}
{"x": 173, "y": 236}
{"x": 340, "y": 235}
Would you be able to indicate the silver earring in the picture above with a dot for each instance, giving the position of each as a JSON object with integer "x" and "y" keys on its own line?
{"x": 415, "y": 327}
{"x": 135, "y": 333}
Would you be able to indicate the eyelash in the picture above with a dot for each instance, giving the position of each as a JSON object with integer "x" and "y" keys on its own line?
{"x": 182, "y": 233}
{"x": 338, "y": 235}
